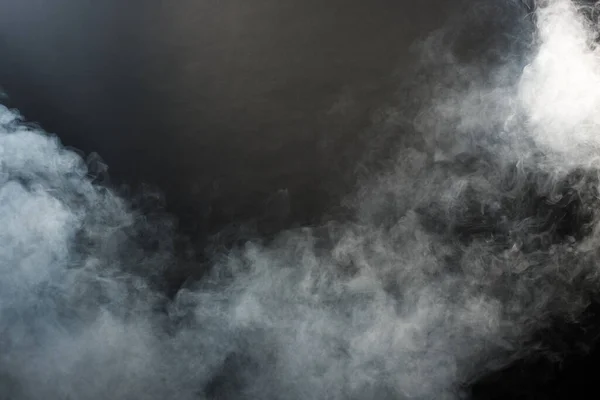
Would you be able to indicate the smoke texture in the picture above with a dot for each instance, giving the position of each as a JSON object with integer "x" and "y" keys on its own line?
{"x": 480, "y": 231}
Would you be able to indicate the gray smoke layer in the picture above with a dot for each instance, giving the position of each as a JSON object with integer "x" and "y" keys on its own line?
{"x": 480, "y": 233}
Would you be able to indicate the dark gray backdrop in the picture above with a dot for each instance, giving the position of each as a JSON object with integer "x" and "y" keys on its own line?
{"x": 224, "y": 105}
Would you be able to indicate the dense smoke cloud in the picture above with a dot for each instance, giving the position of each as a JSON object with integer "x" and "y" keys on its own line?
{"x": 480, "y": 232}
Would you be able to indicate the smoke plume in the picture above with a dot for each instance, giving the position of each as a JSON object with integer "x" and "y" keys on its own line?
{"x": 481, "y": 231}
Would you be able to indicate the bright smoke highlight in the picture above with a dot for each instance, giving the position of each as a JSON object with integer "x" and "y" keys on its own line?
{"x": 481, "y": 232}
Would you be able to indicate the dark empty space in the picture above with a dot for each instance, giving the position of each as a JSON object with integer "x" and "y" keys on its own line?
{"x": 221, "y": 104}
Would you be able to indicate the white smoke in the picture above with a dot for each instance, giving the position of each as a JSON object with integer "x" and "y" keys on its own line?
{"x": 558, "y": 87}
{"x": 456, "y": 255}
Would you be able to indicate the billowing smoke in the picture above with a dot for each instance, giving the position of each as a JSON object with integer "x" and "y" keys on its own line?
{"x": 482, "y": 231}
